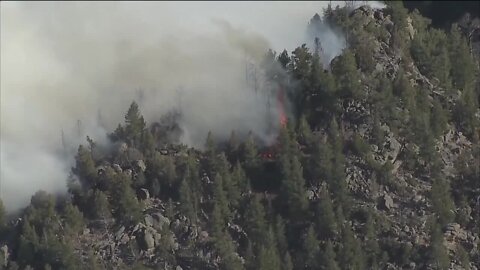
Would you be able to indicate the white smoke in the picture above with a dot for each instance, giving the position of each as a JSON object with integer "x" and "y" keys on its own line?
{"x": 67, "y": 61}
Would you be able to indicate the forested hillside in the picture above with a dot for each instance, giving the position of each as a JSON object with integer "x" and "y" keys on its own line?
{"x": 376, "y": 167}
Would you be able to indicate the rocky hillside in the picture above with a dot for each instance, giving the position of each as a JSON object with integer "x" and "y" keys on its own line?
{"x": 377, "y": 168}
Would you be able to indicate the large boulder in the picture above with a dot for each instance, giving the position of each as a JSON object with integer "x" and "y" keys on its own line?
{"x": 160, "y": 221}
{"x": 141, "y": 165}
{"x": 143, "y": 194}
{"x": 387, "y": 202}
{"x": 148, "y": 240}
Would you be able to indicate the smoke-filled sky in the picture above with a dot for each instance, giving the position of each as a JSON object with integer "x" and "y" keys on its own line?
{"x": 67, "y": 61}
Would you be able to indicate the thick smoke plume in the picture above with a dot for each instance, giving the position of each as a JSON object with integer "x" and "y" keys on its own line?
{"x": 71, "y": 69}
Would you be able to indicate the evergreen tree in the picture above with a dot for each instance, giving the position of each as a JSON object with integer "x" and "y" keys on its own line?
{"x": 233, "y": 147}
{"x": 293, "y": 188}
{"x": 250, "y": 153}
{"x": 284, "y": 59}
{"x": 462, "y": 64}
{"x": 85, "y": 167}
{"x": 372, "y": 248}
{"x": 74, "y": 220}
{"x": 322, "y": 162}
{"x": 220, "y": 199}
{"x": 186, "y": 201}
{"x": 256, "y": 224}
{"x": 269, "y": 258}
{"x": 305, "y": 135}
{"x": 134, "y": 124}
{"x": 325, "y": 216}
{"x": 442, "y": 202}
{"x": 347, "y": 76}
{"x": 439, "y": 119}
{"x": 101, "y": 206}
{"x": 438, "y": 252}
{"x": 240, "y": 179}
{"x": 127, "y": 207}
{"x": 287, "y": 262}
{"x": 280, "y": 235}
{"x": 328, "y": 258}
{"x": 351, "y": 253}
{"x": 311, "y": 249}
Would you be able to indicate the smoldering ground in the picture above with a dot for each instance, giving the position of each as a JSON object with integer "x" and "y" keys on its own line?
{"x": 70, "y": 61}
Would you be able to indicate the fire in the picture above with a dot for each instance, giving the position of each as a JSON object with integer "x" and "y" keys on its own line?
{"x": 269, "y": 154}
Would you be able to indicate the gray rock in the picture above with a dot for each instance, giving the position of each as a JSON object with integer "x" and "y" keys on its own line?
{"x": 141, "y": 165}
{"x": 125, "y": 238}
{"x": 149, "y": 240}
{"x": 203, "y": 236}
{"x": 160, "y": 221}
{"x": 133, "y": 154}
{"x": 117, "y": 168}
{"x": 310, "y": 194}
{"x": 158, "y": 238}
{"x": 121, "y": 147}
{"x": 144, "y": 194}
{"x": 5, "y": 254}
{"x": 388, "y": 202}
{"x": 149, "y": 221}
{"x": 119, "y": 233}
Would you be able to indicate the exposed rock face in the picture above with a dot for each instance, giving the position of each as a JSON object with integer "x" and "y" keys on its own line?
{"x": 5, "y": 255}
{"x": 144, "y": 194}
{"x": 141, "y": 165}
{"x": 387, "y": 202}
{"x": 149, "y": 240}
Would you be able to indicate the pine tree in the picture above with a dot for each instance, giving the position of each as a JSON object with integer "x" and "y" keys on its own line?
{"x": 311, "y": 249}
{"x": 439, "y": 119}
{"x": 186, "y": 201}
{"x": 293, "y": 188}
{"x": 233, "y": 147}
{"x": 280, "y": 235}
{"x": 100, "y": 205}
{"x": 462, "y": 64}
{"x": 73, "y": 218}
{"x": 269, "y": 258}
{"x": 134, "y": 124}
{"x": 220, "y": 198}
{"x": 351, "y": 253}
{"x": 85, "y": 167}
{"x": 305, "y": 135}
{"x": 240, "y": 179}
{"x": 250, "y": 152}
{"x": 438, "y": 252}
{"x": 256, "y": 224}
{"x": 372, "y": 248}
{"x": 230, "y": 259}
{"x": 284, "y": 59}
{"x": 229, "y": 183}
{"x": 325, "y": 216}
{"x": 347, "y": 76}
{"x": 127, "y": 207}
{"x": 322, "y": 163}
{"x": 328, "y": 258}
{"x": 287, "y": 262}
{"x": 442, "y": 202}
